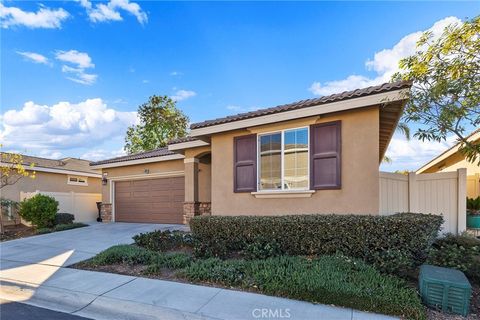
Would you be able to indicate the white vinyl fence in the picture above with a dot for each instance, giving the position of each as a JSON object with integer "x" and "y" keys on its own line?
{"x": 82, "y": 205}
{"x": 441, "y": 193}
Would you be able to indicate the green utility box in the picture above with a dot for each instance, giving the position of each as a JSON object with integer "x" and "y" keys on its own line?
{"x": 445, "y": 289}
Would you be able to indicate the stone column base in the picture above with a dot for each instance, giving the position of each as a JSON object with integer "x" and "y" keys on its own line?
{"x": 191, "y": 209}
{"x": 106, "y": 212}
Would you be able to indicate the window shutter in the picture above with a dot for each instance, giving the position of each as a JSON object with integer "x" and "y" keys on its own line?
{"x": 245, "y": 163}
{"x": 325, "y": 155}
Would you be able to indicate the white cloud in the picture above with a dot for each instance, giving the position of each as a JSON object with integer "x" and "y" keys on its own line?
{"x": 34, "y": 57}
{"x": 63, "y": 126}
{"x": 43, "y": 18}
{"x": 111, "y": 11}
{"x": 80, "y": 62}
{"x": 176, "y": 73}
{"x": 183, "y": 95}
{"x": 145, "y": 81}
{"x": 236, "y": 108}
{"x": 80, "y": 59}
{"x": 384, "y": 62}
{"x": 100, "y": 154}
{"x": 411, "y": 155}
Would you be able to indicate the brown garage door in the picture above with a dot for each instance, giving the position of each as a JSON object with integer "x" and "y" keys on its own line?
{"x": 151, "y": 201}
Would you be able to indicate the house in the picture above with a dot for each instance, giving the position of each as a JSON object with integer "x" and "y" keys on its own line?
{"x": 67, "y": 180}
{"x": 318, "y": 155}
{"x": 452, "y": 159}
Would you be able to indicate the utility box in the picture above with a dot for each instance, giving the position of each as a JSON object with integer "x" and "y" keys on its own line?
{"x": 445, "y": 289}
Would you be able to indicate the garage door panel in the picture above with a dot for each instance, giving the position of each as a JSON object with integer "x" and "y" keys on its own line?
{"x": 153, "y": 200}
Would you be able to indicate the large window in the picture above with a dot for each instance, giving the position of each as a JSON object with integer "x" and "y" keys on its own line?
{"x": 283, "y": 160}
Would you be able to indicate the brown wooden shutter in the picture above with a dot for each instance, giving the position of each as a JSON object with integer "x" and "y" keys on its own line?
{"x": 245, "y": 163}
{"x": 325, "y": 155}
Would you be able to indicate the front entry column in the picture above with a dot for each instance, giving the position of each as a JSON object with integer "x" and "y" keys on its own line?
{"x": 191, "y": 204}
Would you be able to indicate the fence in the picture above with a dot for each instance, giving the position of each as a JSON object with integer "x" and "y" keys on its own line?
{"x": 437, "y": 193}
{"x": 473, "y": 186}
{"x": 82, "y": 205}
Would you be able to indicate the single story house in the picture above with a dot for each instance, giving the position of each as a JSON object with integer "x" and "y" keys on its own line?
{"x": 452, "y": 159}
{"x": 318, "y": 155}
{"x": 58, "y": 178}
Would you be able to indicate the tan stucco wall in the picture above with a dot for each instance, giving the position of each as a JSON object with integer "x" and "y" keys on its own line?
{"x": 360, "y": 177}
{"x": 48, "y": 182}
{"x": 454, "y": 162}
{"x": 138, "y": 171}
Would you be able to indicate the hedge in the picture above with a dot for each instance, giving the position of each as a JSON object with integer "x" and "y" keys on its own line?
{"x": 391, "y": 243}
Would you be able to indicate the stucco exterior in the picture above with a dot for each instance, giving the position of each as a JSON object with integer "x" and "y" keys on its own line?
{"x": 360, "y": 177}
{"x": 49, "y": 182}
{"x": 454, "y": 162}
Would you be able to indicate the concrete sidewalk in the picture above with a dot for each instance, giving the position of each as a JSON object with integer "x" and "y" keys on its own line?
{"x": 101, "y": 295}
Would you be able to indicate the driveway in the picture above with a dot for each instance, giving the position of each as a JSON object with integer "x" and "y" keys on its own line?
{"x": 69, "y": 247}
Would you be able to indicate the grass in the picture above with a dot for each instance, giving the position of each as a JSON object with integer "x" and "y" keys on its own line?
{"x": 327, "y": 279}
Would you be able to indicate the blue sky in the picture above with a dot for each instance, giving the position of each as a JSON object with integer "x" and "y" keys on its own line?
{"x": 74, "y": 73}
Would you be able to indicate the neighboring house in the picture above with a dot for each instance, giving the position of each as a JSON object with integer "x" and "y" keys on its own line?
{"x": 319, "y": 155}
{"x": 65, "y": 179}
{"x": 452, "y": 159}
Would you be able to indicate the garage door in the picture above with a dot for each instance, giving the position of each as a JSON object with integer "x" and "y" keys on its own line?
{"x": 150, "y": 201}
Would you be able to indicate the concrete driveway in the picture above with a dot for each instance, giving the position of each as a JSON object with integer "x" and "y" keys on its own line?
{"x": 68, "y": 247}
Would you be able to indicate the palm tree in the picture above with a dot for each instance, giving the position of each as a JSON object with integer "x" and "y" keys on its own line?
{"x": 403, "y": 128}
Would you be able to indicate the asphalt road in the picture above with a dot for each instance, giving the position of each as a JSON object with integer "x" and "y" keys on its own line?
{"x": 19, "y": 311}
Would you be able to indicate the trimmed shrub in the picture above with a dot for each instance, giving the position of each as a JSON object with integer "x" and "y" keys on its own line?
{"x": 162, "y": 241}
{"x": 458, "y": 252}
{"x": 329, "y": 280}
{"x": 40, "y": 210}
{"x": 396, "y": 241}
{"x": 63, "y": 227}
{"x": 64, "y": 218}
{"x": 44, "y": 230}
{"x": 175, "y": 260}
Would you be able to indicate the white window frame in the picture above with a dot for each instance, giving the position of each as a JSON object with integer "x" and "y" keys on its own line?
{"x": 282, "y": 173}
{"x": 77, "y": 183}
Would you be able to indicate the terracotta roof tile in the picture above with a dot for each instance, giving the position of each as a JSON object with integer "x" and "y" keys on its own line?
{"x": 306, "y": 103}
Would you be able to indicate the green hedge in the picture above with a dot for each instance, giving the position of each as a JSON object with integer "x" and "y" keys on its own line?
{"x": 335, "y": 280}
{"x": 391, "y": 243}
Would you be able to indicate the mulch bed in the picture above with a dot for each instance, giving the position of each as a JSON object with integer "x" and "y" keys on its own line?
{"x": 16, "y": 232}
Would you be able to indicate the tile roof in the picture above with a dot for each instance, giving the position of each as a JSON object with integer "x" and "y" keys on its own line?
{"x": 71, "y": 164}
{"x": 160, "y": 152}
{"x": 306, "y": 103}
{"x": 183, "y": 139}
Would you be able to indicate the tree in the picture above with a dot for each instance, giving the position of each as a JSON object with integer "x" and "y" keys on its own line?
{"x": 445, "y": 96}
{"x": 160, "y": 121}
{"x": 12, "y": 169}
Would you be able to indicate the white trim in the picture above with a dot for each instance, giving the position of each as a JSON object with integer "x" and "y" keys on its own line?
{"x": 370, "y": 100}
{"x": 191, "y": 160}
{"x": 282, "y": 162}
{"x": 188, "y": 144}
{"x": 149, "y": 175}
{"x": 77, "y": 183}
{"x": 446, "y": 154}
{"x": 139, "y": 161}
{"x": 52, "y": 170}
{"x": 283, "y": 194}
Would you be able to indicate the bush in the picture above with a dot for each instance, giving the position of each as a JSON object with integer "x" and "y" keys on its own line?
{"x": 44, "y": 230}
{"x": 40, "y": 210}
{"x": 176, "y": 260}
{"x": 328, "y": 280}
{"x": 397, "y": 241}
{"x": 163, "y": 240}
{"x": 458, "y": 252}
{"x": 63, "y": 227}
{"x": 64, "y": 218}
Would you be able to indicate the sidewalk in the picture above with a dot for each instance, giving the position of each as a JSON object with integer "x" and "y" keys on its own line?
{"x": 101, "y": 295}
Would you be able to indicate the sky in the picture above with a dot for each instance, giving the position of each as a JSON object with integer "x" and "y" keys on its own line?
{"x": 73, "y": 73}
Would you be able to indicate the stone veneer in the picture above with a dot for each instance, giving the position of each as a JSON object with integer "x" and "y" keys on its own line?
{"x": 191, "y": 209}
{"x": 106, "y": 212}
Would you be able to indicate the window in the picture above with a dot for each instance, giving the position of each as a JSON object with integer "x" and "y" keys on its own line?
{"x": 77, "y": 180}
{"x": 283, "y": 160}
